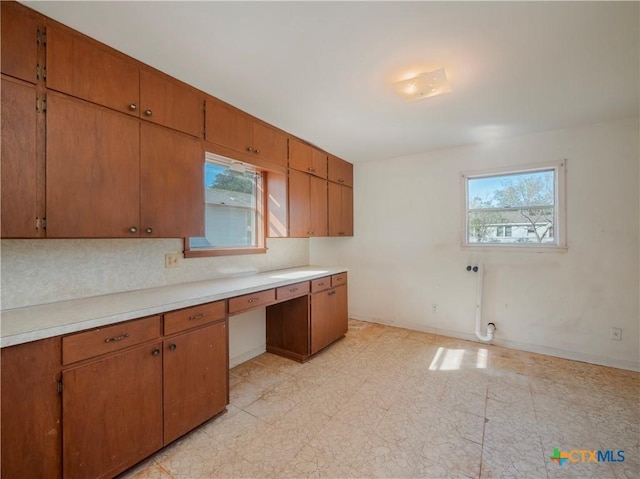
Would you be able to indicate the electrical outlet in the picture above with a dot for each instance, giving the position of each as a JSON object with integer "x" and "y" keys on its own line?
{"x": 615, "y": 334}
{"x": 434, "y": 308}
{"x": 172, "y": 260}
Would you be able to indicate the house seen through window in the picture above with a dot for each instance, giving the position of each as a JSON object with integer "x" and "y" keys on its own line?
{"x": 232, "y": 194}
{"x": 514, "y": 207}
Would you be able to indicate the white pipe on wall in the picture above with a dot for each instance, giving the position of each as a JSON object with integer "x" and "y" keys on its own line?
{"x": 491, "y": 328}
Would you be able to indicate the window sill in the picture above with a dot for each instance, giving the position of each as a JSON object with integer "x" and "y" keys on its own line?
{"x": 204, "y": 253}
{"x": 513, "y": 248}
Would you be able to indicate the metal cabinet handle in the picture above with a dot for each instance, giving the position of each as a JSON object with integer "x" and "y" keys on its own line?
{"x": 172, "y": 347}
{"x": 133, "y": 107}
{"x": 117, "y": 338}
{"x": 197, "y": 316}
{"x": 341, "y": 233}
{"x": 149, "y": 230}
{"x": 293, "y": 290}
{"x": 312, "y": 170}
{"x": 340, "y": 180}
{"x": 155, "y": 352}
{"x": 257, "y": 150}
{"x": 332, "y": 292}
{"x": 254, "y": 300}
{"x": 249, "y": 149}
{"x": 133, "y": 229}
{"x": 148, "y": 112}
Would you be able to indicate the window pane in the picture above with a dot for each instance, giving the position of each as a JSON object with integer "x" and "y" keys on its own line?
{"x": 512, "y": 208}
{"x": 230, "y": 208}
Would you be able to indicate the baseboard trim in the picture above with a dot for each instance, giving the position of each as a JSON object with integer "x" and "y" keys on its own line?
{"x": 531, "y": 348}
{"x": 244, "y": 357}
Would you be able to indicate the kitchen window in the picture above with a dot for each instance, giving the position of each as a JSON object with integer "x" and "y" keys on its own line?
{"x": 234, "y": 203}
{"x": 521, "y": 208}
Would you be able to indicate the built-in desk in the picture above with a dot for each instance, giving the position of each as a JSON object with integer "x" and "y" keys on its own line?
{"x": 92, "y": 386}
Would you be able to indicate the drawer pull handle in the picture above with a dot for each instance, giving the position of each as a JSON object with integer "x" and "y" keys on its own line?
{"x": 321, "y": 284}
{"x": 293, "y": 290}
{"x": 172, "y": 347}
{"x": 254, "y": 300}
{"x": 133, "y": 107}
{"x": 197, "y": 316}
{"x": 155, "y": 352}
{"x": 117, "y": 338}
{"x": 148, "y": 112}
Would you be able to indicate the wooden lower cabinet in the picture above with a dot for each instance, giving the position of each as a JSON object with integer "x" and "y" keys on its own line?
{"x": 112, "y": 412}
{"x": 329, "y": 319}
{"x": 299, "y": 328}
{"x": 31, "y": 410}
{"x": 195, "y": 378}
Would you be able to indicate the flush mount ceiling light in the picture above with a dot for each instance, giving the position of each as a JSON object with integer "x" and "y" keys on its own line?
{"x": 423, "y": 85}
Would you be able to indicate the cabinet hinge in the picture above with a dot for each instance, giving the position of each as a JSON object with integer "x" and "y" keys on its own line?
{"x": 44, "y": 224}
{"x": 41, "y": 72}
{"x": 60, "y": 387}
{"x": 42, "y": 37}
{"x": 41, "y": 105}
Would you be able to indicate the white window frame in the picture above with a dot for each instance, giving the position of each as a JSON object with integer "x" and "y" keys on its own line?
{"x": 560, "y": 215}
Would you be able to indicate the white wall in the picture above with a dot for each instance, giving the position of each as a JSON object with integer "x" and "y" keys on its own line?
{"x": 45, "y": 271}
{"x": 406, "y": 253}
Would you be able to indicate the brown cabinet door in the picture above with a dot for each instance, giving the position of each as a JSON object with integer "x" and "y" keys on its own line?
{"x": 171, "y": 184}
{"x": 340, "y": 315}
{"x": 171, "y": 104}
{"x": 19, "y": 162}
{"x": 195, "y": 378}
{"x": 270, "y": 144}
{"x": 299, "y": 205}
{"x": 112, "y": 413}
{"x": 81, "y": 67}
{"x": 31, "y": 410}
{"x": 340, "y": 171}
{"x": 19, "y": 29}
{"x": 318, "y": 205}
{"x": 318, "y": 163}
{"x": 321, "y": 326}
{"x": 93, "y": 171}
{"x": 340, "y": 210}
{"x": 228, "y": 126}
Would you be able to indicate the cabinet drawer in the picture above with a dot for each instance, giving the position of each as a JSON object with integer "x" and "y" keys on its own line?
{"x": 77, "y": 347}
{"x": 250, "y": 301}
{"x": 188, "y": 318}
{"x": 292, "y": 291}
{"x": 320, "y": 284}
{"x": 338, "y": 279}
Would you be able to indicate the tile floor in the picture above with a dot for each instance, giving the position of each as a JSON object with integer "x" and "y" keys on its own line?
{"x": 389, "y": 402}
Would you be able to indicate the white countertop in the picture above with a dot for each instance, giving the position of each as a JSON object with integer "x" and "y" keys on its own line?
{"x": 22, "y": 325}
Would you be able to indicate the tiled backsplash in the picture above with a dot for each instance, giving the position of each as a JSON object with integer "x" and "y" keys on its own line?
{"x": 45, "y": 271}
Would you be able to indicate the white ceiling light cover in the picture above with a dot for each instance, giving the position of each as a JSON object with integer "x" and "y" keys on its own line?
{"x": 423, "y": 85}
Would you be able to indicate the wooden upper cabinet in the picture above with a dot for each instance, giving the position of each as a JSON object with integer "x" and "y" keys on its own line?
{"x": 232, "y": 128}
{"x": 340, "y": 171}
{"x": 93, "y": 171}
{"x": 19, "y": 168}
{"x": 227, "y": 126}
{"x": 170, "y": 103}
{"x": 171, "y": 184}
{"x": 269, "y": 144}
{"x": 83, "y": 68}
{"x": 307, "y": 205}
{"x": 19, "y": 56}
{"x": 340, "y": 200}
{"x": 304, "y": 157}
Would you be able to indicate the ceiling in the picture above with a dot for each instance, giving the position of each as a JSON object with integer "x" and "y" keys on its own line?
{"x": 324, "y": 70}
